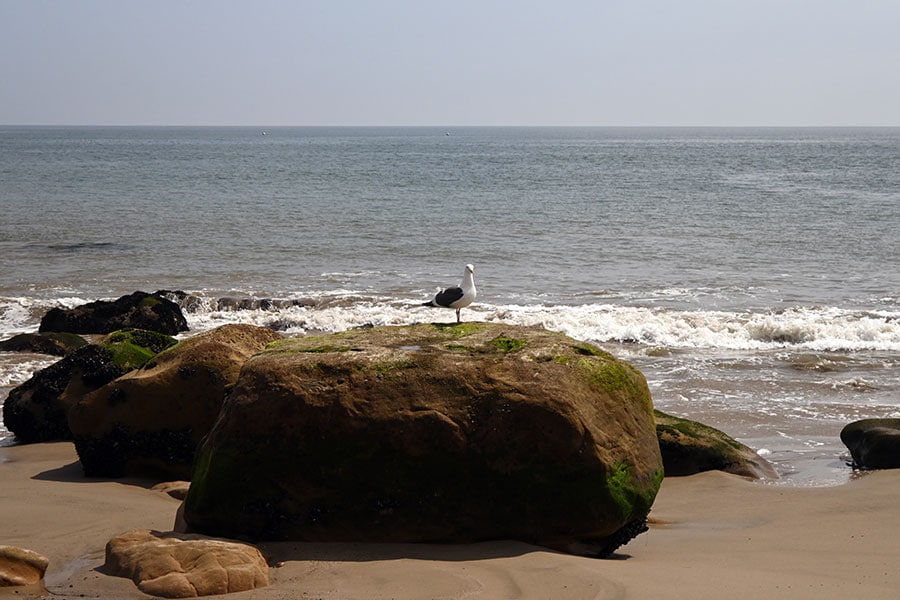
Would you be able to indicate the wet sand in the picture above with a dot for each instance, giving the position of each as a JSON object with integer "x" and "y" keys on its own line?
{"x": 712, "y": 536}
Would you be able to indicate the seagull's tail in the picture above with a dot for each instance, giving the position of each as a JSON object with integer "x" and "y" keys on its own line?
{"x": 429, "y": 303}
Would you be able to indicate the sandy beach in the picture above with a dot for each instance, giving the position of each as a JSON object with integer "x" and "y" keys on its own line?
{"x": 712, "y": 536}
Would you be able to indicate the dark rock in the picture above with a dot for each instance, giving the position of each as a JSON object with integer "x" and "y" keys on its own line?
{"x": 151, "y": 420}
{"x": 431, "y": 433}
{"x": 53, "y": 343}
{"x": 228, "y": 303}
{"x": 235, "y": 304}
{"x": 36, "y": 411}
{"x": 188, "y": 302}
{"x": 873, "y": 443}
{"x": 139, "y": 310}
{"x": 689, "y": 447}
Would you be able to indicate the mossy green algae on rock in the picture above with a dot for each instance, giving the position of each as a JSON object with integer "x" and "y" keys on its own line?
{"x": 132, "y": 348}
{"x": 56, "y": 343}
{"x": 401, "y": 438}
{"x": 689, "y": 447}
{"x": 151, "y": 420}
{"x": 37, "y": 410}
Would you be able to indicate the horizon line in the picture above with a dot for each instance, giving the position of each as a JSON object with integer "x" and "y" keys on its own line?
{"x": 445, "y": 126}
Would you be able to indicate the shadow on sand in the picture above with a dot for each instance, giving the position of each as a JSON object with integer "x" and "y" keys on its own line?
{"x": 73, "y": 473}
{"x": 280, "y": 552}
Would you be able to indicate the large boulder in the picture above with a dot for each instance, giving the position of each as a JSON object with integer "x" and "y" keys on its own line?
{"x": 689, "y": 447}
{"x": 139, "y": 310}
{"x": 20, "y": 566}
{"x": 873, "y": 443}
{"x": 151, "y": 420}
{"x": 175, "y": 565}
{"x": 37, "y": 410}
{"x": 53, "y": 343}
{"x": 432, "y": 433}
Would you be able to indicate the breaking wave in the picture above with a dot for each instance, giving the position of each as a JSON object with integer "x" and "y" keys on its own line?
{"x": 809, "y": 328}
{"x": 815, "y": 328}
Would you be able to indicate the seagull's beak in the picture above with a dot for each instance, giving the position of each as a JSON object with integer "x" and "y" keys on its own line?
{"x": 470, "y": 269}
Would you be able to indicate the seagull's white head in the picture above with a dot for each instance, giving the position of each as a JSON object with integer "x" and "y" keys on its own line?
{"x": 470, "y": 269}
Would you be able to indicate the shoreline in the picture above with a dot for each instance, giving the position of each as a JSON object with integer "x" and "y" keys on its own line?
{"x": 711, "y": 535}
{"x": 790, "y": 416}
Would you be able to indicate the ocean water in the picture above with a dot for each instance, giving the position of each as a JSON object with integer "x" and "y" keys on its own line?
{"x": 751, "y": 274}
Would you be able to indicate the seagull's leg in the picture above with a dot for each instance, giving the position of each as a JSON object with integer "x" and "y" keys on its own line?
{"x": 457, "y": 315}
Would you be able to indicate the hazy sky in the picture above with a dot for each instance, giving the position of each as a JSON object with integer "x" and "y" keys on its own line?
{"x": 459, "y": 62}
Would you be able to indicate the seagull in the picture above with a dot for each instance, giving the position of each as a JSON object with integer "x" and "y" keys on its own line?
{"x": 456, "y": 297}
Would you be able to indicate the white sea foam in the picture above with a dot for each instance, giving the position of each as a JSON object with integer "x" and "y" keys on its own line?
{"x": 21, "y": 314}
{"x": 808, "y": 328}
{"x": 14, "y": 315}
{"x": 813, "y": 328}
{"x": 15, "y": 370}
